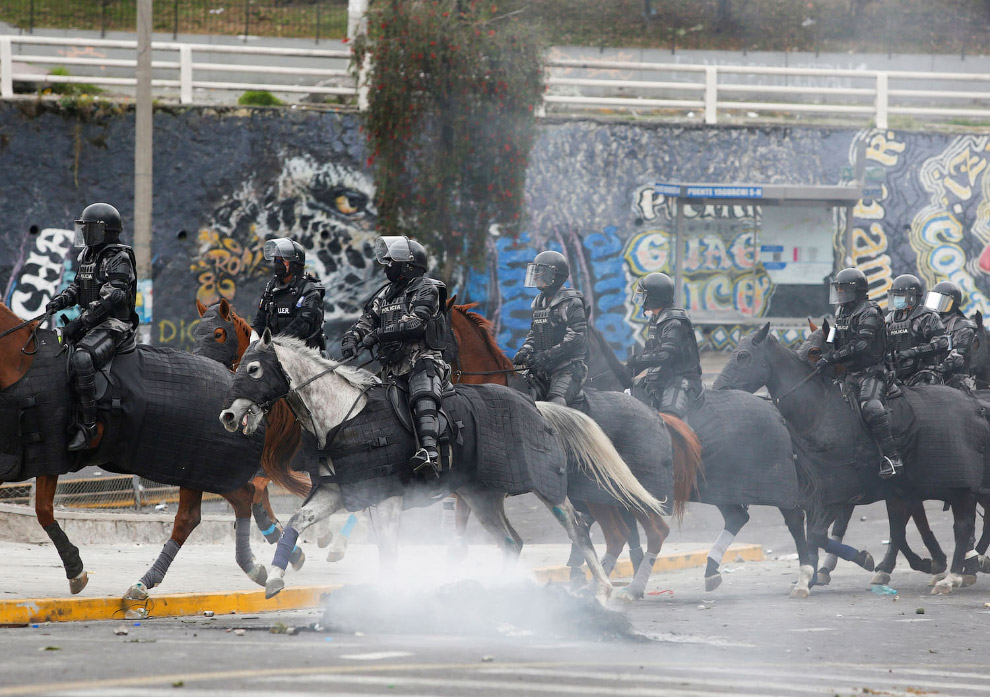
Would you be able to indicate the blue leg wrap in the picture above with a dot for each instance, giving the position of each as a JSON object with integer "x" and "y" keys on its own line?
{"x": 285, "y": 547}
{"x": 349, "y": 526}
{"x": 840, "y": 550}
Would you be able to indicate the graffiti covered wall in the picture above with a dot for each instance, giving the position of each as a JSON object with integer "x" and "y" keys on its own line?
{"x": 226, "y": 180}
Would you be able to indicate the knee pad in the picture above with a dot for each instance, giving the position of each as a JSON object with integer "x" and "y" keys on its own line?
{"x": 873, "y": 411}
{"x": 81, "y": 361}
{"x": 425, "y": 382}
{"x": 100, "y": 345}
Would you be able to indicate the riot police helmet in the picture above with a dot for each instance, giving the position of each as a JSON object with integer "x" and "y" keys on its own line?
{"x": 654, "y": 290}
{"x": 402, "y": 257}
{"x": 99, "y": 224}
{"x": 944, "y": 297}
{"x": 905, "y": 292}
{"x": 850, "y": 285}
{"x": 548, "y": 270}
{"x": 284, "y": 249}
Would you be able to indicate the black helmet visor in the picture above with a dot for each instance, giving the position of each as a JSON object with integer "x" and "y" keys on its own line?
{"x": 392, "y": 249}
{"x": 841, "y": 293}
{"x": 938, "y": 302}
{"x": 539, "y": 275}
{"x": 90, "y": 232}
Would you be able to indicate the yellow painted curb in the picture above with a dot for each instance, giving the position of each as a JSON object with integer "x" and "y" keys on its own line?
{"x": 36, "y": 610}
{"x": 665, "y": 562}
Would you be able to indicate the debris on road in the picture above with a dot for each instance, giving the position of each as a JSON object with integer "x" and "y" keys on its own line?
{"x": 120, "y": 631}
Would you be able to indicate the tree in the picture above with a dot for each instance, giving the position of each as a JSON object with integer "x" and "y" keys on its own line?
{"x": 453, "y": 90}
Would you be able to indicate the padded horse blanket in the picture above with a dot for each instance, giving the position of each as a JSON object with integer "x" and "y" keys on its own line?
{"x": 642, "y": 439}
{"x": 502, "y": 442}
{"x": 746, "y": 451}
{"x": 160, "y": 410}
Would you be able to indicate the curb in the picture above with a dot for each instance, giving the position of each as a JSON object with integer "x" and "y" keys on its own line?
{"x": 37, "y": 610}
{"x": 669, "y": 562}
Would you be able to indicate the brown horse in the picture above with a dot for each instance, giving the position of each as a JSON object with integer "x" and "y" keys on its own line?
{"x": 481, "y": 360}
{"x": 16, "y": 352}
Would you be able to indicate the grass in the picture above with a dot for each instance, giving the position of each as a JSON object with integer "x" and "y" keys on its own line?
{"x": 259, "y": 98}
{"x": 69, "y": 89}
{"x": 860, "y": 26}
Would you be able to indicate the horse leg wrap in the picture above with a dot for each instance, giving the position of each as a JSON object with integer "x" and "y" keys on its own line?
{"x": 636, "y": 557}
{"x": 831, "y": 560}
{"x": 285, "y": 547}
{"x": 577, "y": 557}
{"x": 608, "y": 564}
{"x": 156, "y": 574}
{"x": 720, "y": 547}
{"x": 269, "y": 528}
{"x": 638, "y": 585}
{"x": 840, "y": 550}
{"x": 242, "y": 551}
{"x": 66, "y": 550}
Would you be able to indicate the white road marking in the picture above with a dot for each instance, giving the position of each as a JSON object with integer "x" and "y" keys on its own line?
{"x": 376, "y": 655}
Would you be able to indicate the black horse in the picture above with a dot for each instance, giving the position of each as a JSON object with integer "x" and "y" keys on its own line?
{"x": 943, "y": 432}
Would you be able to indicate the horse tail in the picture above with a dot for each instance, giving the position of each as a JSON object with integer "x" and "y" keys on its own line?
{"x": 687, "y": 461}
{"x": 585, "y": 441}
{"x": 282, "y": 439}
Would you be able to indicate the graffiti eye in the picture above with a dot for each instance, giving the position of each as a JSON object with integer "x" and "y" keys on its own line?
{"x": 349, "y": 202}
{"x": 220, "y": 335}
{"x": 255, "y": 370}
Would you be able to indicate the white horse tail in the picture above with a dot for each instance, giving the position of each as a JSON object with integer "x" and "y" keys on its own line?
{"x": 586, "y": 442}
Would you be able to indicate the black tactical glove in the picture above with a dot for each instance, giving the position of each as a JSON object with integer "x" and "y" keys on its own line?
{"x": 348, "y": 346}
{"x": 59, "y": 302}
{"x": 540, "y": 362}
{"x": 827, "y": 359}
{"x": 632, "y": 364}
{"x": 369, "y": 340}
{"x": 72, "y": 330}
{"x": 523, "y": 356}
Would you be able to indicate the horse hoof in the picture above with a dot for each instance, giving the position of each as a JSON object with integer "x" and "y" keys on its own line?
{"x": 337, "y": 550}
{"x": 865, "y": 560}
{"x": 628, "y": 595}
{"x": 800, "y": 592}
{"x": 985, "y": 563}
{"x": 936, "y": 578}
{"x": 967, "y": 580}
{"x": 713, "y": 582}
{"x": 136, "y": 592}
{"x": 942, "y": 588}
{"x": 273, "y": 587}
{"x": 940, "y": 566}
{"x": 324, "y": 540}
{"x": 79, "y": 582}
{"x": 603, "y": 592}
{"x": 880, "y": 578}
{"x": 258, "y": 574}
{"x": 823, "y": 578}
{"x": 297, "y": 558}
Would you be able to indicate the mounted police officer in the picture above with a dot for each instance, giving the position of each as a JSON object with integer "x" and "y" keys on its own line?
{"x": 916, "y": 338}
{"x": 859, "y": 342}
{"x": 292, "y": 303}
{"x": 557, "y": 342}
{"x": 673, "y": 377}
{"x": 105, "y": 289}
{"x": 946, "y": 299}
{"x": 407, "y": 319}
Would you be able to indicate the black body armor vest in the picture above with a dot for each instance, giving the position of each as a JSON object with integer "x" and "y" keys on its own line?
{"x": 549, "y": 326}
{"x": 687, "y": 360}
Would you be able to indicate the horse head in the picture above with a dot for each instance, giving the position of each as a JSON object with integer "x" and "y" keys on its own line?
{"x": 221, "y": 334}
{"x": 749, "y": 367}
{"x": 476, "y": 351}
{"x": 258, "y": 383}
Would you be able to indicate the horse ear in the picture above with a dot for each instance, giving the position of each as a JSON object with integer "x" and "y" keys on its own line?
{"x": 825, "y": 328}
{"x": 450, "y": 301}
{"x": 811, "y": 324}
{"x": 978, "y": 318}
{"x": 224, "y": 310}
{"x": 266, "y": 338}
{"x": 201, "y": 307}
{"x": 761, "y": 335}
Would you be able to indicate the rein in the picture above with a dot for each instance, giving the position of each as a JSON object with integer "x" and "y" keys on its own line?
{"x": 266, "y": 405}
{"x": 458, "y": 373}
{"x": 809, "y": 376}
{"x": 39, "y": 318}
{"x": 339, "y": 427}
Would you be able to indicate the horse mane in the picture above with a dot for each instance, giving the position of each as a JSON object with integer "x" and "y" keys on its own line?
{"x": 357, "y": 377}
{"x": 487, "y": 334}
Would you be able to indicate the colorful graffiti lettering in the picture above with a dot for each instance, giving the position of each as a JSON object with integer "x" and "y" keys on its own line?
{"x": 869, "y": 239}
{"x": 176, "y": 333}
{"x": 222, "y": 260}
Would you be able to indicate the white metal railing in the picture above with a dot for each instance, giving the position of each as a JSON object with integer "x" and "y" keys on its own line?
{"x": 711, "y": 90}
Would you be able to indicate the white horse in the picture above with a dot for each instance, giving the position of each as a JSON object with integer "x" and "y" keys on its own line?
{"x": 323, "y": 394}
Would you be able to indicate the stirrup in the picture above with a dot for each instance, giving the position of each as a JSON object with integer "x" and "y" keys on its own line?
{"x": 890, "y": 467}
{"x": 421, "y": 460}
{"x": 83, "y": 437}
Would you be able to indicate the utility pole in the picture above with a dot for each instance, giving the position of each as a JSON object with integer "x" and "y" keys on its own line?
{"x": 143, "y": 159}
{"x": 357, "y": 23}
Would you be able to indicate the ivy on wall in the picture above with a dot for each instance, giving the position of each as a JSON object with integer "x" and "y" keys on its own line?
{"x": 453, "y": 88}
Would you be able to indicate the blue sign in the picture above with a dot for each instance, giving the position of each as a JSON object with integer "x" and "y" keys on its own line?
{"x": 668, "y": 189}
{"x": 725, "y": 192}
{"x": 870, "y": 192}
{"x": 774, "y": 265}
{"x": 768, "y": 248}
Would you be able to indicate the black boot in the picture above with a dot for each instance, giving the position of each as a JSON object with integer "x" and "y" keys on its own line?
{"x": 427, "y": 458}
{"x": 85, "y": 431}
{"x": 891, "y": 465}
